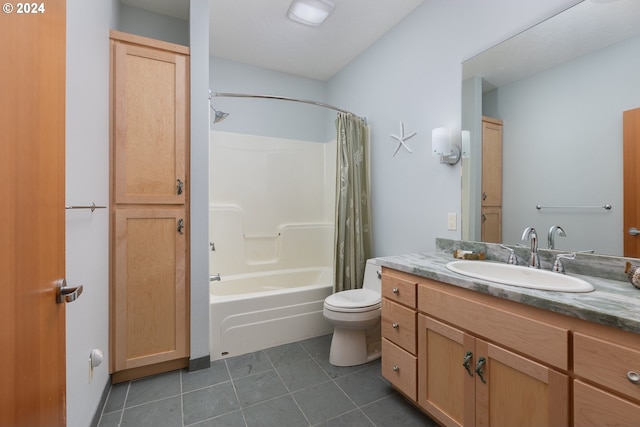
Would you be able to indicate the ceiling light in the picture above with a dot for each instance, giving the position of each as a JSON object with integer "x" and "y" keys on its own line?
{"x": 310, "y": 12}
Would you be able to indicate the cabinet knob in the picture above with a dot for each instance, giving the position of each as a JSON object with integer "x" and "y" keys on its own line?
{"x": 395, "y": 291}
{"x": 395, "y": 368}
{"x": 633, "y": 377}
{"x": 395, "y": 326}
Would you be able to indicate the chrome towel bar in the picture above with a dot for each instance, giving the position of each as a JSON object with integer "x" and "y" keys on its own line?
{"x": 93, "y": 207}
{"x": 605, "y": 207}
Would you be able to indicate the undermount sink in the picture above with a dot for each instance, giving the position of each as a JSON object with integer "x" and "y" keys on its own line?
{"x": 524, "y": 277}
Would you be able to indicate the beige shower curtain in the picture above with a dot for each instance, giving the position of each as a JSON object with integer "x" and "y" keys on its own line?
{"x": 353, "y": 210}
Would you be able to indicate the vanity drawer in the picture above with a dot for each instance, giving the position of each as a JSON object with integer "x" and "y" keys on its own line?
{"x": 593, "y": 407}
{"x": 399, "y": 325}
{"x": 399, "y": 289}
{"x": 400, "y": 368}
{"x": 606, "y": 363}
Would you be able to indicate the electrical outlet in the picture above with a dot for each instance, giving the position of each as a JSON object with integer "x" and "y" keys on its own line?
{"x": 452, "y": 221}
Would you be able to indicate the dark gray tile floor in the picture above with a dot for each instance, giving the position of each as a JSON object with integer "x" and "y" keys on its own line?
{"x": 290, "y": 385}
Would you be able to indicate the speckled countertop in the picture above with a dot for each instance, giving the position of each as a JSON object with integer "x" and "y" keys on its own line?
{"x": 613, "y": 303}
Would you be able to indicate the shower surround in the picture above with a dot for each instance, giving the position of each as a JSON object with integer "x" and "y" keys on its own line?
{"x": 271, "y": 215}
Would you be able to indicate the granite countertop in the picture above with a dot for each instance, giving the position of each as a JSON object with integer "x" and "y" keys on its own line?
{"x": 613, "y": 302}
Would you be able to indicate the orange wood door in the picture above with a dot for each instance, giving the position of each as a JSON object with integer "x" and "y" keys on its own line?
{"x": 149, "y": 89}
{"x": 631, "y": 198}
{"x": 32, "y": 172}
{"x": 517, "y": 391}
{"x": 151, "y": 314}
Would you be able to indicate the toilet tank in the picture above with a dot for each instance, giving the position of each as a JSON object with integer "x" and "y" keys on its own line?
{"x": 372, "y": 280}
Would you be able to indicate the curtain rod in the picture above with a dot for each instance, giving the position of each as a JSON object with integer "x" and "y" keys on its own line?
{"x": 283, "y": 98}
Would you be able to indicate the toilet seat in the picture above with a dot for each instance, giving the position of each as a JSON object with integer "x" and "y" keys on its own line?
{"x": 353, "y": 300}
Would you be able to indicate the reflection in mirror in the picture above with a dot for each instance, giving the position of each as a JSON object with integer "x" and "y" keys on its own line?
{"x": 560, "y": 89}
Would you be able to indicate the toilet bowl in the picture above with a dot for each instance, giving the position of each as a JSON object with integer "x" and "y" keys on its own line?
{"x": 355, "y": 316}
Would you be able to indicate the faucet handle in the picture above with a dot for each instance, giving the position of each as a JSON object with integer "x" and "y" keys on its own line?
{"x": 512, "y": 255}
{"x": 557, "y": 264}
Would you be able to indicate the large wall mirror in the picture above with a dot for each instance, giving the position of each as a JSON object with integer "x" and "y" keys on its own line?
{"x": 560, "y": 89}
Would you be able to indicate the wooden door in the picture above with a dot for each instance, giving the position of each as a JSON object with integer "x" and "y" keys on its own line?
{"x": 515, "y": 391}
{"x": 150, "y": 298}
{"x": 445, "y": 387}
{"x": 492, "y": 224}
{"x": 32, "y": 233}
{"x": 149, "y": 89}
{"x": 631, "y": 198}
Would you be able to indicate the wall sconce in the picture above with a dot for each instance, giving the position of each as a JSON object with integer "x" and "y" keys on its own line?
{"x": 441, "y": 146}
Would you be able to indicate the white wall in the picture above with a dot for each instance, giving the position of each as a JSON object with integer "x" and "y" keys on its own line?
{"x": 563, "y": 147}
{"x": 413, "y": 74}
{"x": 87, "y": 181}
{"x": 199, "y": 63}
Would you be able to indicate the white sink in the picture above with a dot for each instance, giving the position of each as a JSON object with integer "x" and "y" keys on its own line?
{"x": 516, "y": 275}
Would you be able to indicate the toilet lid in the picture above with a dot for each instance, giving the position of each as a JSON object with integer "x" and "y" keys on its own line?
{"x": 363, "y": 299}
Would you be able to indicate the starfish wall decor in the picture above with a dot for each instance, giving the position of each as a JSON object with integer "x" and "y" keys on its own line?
{"x": 402, "y": 139}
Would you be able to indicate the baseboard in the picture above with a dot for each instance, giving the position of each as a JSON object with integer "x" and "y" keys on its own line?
{"x": 105, "y": 393}
{"x": 200, "y": 363}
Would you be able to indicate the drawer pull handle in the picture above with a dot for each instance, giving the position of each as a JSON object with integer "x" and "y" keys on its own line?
{"x": 479, "y": 371}
{"x": 395, "y": 291}
{"x": 633, "y": 377}
{"x": 395, "y": 326}
{"x": 467, "y": 361}
{"x": 395, "y": 368}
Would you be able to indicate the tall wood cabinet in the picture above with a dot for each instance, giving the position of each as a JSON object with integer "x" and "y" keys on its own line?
{"x": 149, "y": 326}
{"x": 491, "y": 225}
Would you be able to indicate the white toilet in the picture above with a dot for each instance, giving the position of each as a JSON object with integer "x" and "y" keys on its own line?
{"x": 355, "y": 316}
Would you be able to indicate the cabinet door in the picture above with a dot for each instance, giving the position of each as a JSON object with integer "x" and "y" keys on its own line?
{"x": 150, "y": 310}
{"x": 491, "y": 229}
{"x": 491, "y": 162}
{"x": 149, "y": 124}
{"x": 445, "y": 388}
{"x": 595, "y": 408}
{"x": 514, "y": 391}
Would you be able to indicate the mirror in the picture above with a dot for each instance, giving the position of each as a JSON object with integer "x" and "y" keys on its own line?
{"x": 560, "y": 89}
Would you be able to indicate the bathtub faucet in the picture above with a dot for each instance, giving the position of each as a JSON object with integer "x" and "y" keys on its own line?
{"x": 215, "y": 278}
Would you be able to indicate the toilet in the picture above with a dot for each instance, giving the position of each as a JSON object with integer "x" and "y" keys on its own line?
{"x": 355, "y": 316}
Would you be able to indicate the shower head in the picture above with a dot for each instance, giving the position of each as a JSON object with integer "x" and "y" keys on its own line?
{"x": 219, "y": 115}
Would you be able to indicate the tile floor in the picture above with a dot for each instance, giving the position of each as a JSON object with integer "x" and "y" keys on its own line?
{"x": 290, "y": 385}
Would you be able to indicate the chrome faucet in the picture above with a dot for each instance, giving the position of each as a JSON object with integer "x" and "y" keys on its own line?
{"x": 530, "y": 233}
{"x": 551, "y": 244}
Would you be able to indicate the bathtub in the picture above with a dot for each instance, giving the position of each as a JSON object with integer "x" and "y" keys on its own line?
{"x": 251, "y": 312}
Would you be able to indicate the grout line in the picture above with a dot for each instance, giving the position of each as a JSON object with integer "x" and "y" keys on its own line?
{"x": 235, "y": 392}
{"x": 181, "y": 399}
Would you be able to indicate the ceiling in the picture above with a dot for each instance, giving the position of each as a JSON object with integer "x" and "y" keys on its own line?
{"x": 258, "y": 32}
{"x": 581, "y": 29}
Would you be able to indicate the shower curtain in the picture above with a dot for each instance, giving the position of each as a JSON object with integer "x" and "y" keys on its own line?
{"x": 353, "y": 210}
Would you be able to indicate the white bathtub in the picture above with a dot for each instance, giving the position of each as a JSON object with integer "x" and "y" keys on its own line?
{"x": 251, "y": 312}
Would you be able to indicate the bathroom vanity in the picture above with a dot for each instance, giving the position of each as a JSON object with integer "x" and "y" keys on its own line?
{"x": 471, "y": 352}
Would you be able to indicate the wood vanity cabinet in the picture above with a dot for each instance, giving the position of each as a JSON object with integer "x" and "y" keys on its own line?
{"x": 399, "y": 339}
{"x": 487, "y": 361}
{"x": 149, "y": 311}
{"x": 470, "y": 344}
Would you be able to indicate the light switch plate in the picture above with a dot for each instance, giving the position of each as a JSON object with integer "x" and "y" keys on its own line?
{"x": 452, "y": 221}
